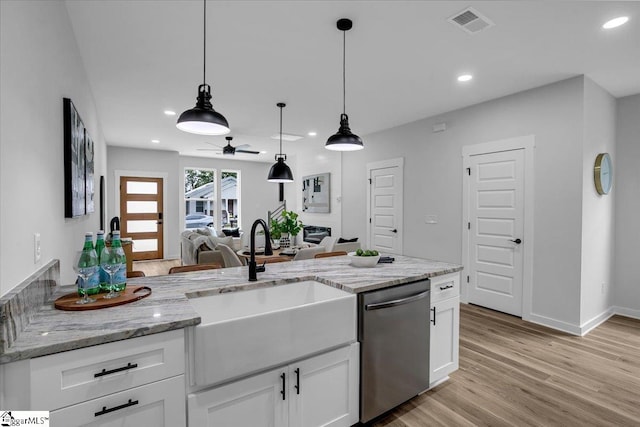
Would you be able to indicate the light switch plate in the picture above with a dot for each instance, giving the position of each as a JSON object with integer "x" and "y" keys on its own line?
{"x": 36, "y": 247}
{"x": 431, "y": 219}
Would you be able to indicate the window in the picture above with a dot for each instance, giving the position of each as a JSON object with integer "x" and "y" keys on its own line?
{"x": 201, "y": 198}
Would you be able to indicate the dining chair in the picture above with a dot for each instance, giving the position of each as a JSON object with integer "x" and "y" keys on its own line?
{"x": 135, "y": 273}
{"x": 230, "y": 258}
{"x": 329, "y": 254}
{"x": 195, "y": 267}
{"x": 276, "y": 259}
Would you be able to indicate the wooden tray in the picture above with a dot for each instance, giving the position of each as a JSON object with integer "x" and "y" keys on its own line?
{"x": 130, "y": 294}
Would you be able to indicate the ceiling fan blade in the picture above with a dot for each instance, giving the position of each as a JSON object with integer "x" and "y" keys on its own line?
{"x": 242, "y": 146}
{"x": 215, "y": 145}
{"x": 209, "y": 149}
{"x": 247, "y": 151}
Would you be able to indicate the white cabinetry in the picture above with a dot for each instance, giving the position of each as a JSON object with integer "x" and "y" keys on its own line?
{"x": 318, "y": 391}
{"x": 445, "y": 327}
{"x": 118, "y": 383}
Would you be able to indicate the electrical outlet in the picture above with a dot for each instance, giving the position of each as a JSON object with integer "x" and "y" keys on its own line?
{"x": 36, "y": 247}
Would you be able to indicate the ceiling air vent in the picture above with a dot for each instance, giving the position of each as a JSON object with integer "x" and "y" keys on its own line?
{"x": 471, "y": 21}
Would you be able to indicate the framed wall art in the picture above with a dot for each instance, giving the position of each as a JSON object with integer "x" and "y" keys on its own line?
{"x": 316, "y": 193}
{"x": 74, "y": 162}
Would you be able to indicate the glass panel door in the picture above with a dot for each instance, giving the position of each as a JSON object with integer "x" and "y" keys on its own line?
{"x": 141, "y": 215}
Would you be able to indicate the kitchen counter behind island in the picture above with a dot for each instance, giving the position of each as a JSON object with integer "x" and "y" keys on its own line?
{"x": 50, "y": 330}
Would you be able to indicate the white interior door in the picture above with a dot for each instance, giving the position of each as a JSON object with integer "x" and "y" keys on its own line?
{"x": 496, "y": 226}
{"x": 385, "y": 206}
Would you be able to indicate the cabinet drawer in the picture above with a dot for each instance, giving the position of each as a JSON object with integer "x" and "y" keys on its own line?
{"x": 75, "y": 376}
{"x": 157, "y": 404}
{"x": 446, "y": 286}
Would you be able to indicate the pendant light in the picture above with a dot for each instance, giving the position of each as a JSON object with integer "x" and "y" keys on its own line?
{"x": 344, "y": 140}
{"x": 280, "y": 172}
{"x": 203, "y": 119}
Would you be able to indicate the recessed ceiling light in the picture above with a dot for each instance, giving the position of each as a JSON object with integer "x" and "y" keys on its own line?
{"x": 155, "y": 141}
{"x": 286, "y": 137}
{"x": 170, "y": 113}
{"x": 616, "y": 22}
{"x": 465, "y": 77}
{"x": 312, "y": 133}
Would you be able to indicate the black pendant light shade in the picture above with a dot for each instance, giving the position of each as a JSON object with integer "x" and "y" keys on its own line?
{"x": 203, "y": 119}
{"x": 280, "y": 172}
{"x": 344, "y": 139}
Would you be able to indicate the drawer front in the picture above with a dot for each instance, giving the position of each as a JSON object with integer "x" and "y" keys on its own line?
{"x": 75, "y": 376}
{"x": 161, "y": 403}
{"x": 446, "y": 286}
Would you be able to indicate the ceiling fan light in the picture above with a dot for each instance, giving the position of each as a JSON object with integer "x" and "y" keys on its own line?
{"x": 344, "y": 139}
{"x": 280, "y": 172}
{"x": 203, "y": 119}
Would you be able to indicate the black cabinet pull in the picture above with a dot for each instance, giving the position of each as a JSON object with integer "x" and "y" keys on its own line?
{"x": 282, "y": 392}
{"x": 442, "y": 288}
{"x": 434, "y": 316}
{"x": 116, "y": 408}
{"x": 113, "y": 371}
{"x": 297, "y": 371}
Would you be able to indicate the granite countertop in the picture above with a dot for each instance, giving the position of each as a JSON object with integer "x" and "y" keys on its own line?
{"x": 167, "y": 308}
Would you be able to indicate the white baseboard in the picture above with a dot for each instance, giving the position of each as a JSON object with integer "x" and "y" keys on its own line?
{"x": 559, "y": 325}
{"x": 628, "y": 312}
{"x": 594, "y": 322}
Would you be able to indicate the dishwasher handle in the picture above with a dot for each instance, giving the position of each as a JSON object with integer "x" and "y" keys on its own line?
{"x": 396, "y": 302}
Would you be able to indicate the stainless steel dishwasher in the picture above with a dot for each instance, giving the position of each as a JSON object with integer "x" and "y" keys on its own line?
{"x": 393, "y": 330}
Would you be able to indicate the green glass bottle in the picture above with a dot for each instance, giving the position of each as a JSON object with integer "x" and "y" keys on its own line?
{"x": 89, "y": 261}
{"x": 102, "y": 275}
{"x": 120, "y": 276}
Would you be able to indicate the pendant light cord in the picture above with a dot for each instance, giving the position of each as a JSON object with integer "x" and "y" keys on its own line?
{"x": 280, "y": 131}
{"x": 204, "y": 49}
{"x": 344, "y": 72}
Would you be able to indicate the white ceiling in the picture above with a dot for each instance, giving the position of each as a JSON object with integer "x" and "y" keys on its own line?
{"x": 143, "y": 57}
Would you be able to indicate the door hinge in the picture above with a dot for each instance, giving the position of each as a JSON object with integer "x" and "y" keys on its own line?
{"x": 469, "y": 171}
{"x": 370, "y": 182}
{"x": 468, "y": 226}
{"x": 369, "y": 220}
{"x": 467, "y": 279}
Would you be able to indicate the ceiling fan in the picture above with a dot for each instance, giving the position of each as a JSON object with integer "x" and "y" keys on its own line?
{"x": 230, "y": 150}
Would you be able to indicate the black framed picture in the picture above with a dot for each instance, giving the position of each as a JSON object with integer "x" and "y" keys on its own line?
{"x": 74, "y": 162}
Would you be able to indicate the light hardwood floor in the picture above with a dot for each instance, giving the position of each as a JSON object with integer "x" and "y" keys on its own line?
{"x": 515, "y": 373}
{"x": 155, "y": 267}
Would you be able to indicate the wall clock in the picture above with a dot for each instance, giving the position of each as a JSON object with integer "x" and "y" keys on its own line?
{"x": 603, "y": 173}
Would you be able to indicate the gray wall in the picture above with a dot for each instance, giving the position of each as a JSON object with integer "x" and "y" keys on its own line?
{"x": 626, "y": 186}
{"x": 40, "y": 65}
{"x": 433, "y": 185}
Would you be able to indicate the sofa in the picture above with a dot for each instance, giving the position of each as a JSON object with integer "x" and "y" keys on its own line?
{"x": 200, "y": 247}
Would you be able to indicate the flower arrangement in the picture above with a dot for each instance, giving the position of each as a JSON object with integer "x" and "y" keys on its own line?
{"x": 288, "y": 224}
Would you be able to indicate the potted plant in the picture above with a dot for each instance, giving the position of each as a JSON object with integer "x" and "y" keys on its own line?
{"x": 289, "y": 225}
{"x": 275, "y": 230}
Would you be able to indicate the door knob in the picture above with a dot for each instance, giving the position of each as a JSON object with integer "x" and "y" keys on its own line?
{"x": 516, "y": 241}
{"x": 395, "y": 230}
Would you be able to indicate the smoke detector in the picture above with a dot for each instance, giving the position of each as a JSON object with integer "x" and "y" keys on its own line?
{"x": 471, "y": 21}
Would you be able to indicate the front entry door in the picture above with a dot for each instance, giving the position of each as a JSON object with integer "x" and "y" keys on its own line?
{"x": 141, "y": 215}
{"x": 496, "y": 225}
{"x": 385, "y": 206}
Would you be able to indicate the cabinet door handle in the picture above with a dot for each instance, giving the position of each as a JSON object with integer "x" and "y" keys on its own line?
{"x": 442, "y": 288}
{"x": 116, "y": 408}
{"x": 434, "y": 316}
{"x": 113, "y": 371}
{"x": 282, "y": 392}
{"x": 297, "y": 386}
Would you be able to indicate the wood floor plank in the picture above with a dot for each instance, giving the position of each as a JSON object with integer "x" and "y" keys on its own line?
{"x": 516, "y": 373}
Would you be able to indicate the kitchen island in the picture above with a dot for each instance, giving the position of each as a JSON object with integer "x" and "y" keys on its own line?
{"x": 167, "y": 309}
